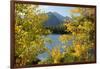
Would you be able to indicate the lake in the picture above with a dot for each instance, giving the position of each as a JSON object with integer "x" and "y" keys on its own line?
{"x": 55, "y": 42}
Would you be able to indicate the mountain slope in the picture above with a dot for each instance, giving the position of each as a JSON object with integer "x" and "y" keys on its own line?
{"x": 53, "y": 19}
{"x": 55, "y": 22}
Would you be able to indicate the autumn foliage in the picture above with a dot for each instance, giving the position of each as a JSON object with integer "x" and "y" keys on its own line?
{"x": 30, "y": 37}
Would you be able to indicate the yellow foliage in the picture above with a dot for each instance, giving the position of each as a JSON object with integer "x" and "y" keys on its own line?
{"x": 56, "y": 54}
{"x": 76, "y": 10}
{"x": 64, "y": 38}
{"x": 70, "y": 27}
{"x": 79, "y": 50}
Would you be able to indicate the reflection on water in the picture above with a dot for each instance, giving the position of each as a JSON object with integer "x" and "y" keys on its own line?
{"x": 55, "y": 42}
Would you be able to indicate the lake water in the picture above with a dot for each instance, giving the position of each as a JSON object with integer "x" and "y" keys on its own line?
{"x": 55, "y": 42}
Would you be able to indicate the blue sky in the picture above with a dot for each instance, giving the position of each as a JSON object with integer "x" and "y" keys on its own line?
{"x": 65, "y": 11}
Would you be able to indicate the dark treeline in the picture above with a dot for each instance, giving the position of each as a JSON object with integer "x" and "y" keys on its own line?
{"x": 59, "y": 29}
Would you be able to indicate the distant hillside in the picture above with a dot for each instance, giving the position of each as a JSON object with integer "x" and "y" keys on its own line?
{"x": 55, "y": 22}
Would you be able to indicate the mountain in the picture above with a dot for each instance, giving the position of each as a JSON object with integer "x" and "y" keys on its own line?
{"x": 54, "y": 19}
{"x": 55, "y": 22}
{"x": 59, "y": 16}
